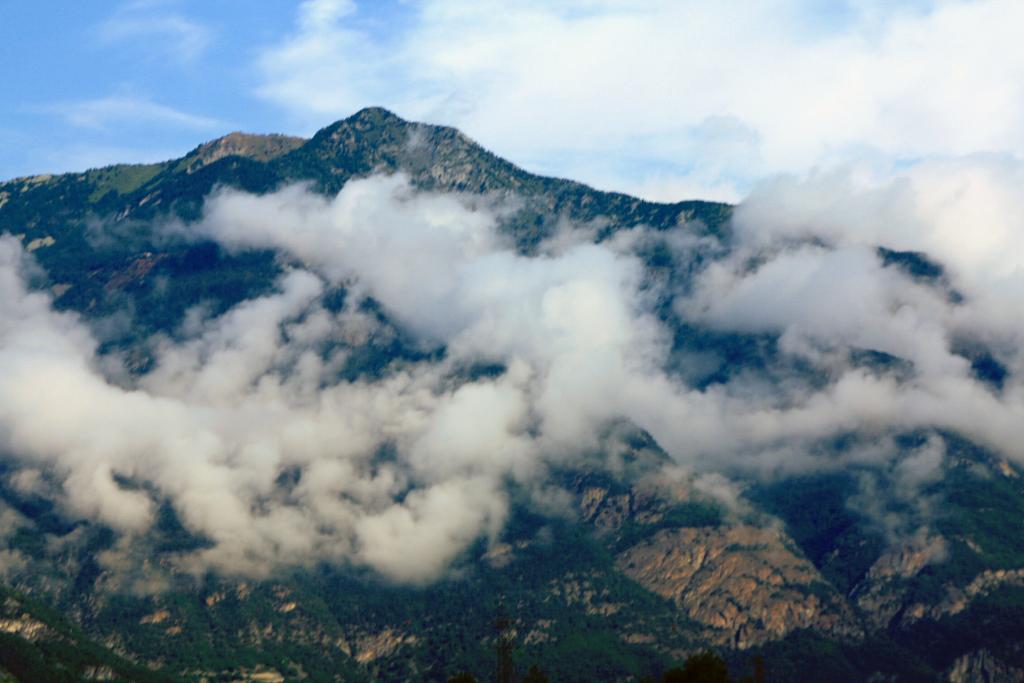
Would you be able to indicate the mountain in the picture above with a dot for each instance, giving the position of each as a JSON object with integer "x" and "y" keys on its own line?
{"x": 631, "y": 565}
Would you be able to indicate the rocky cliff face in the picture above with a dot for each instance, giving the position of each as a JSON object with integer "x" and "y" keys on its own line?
{"x": 983, "y": 667}
{"x": 882, "y": 593}
{"x": 256, "y": 147}
{"x": 745, "y": 585}
{"x": 958, "y": 599}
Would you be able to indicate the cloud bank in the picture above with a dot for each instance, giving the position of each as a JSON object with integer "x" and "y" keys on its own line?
{"x": 246, "y": 426}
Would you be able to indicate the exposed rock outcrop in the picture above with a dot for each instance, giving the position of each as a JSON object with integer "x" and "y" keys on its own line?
{"x": 256, "y": 147}
{"x": 881, "y": 595}
{"x": 982, "y": 666}
{"x": 373, "y": 646}
{"x": 958, "y": 599}
{"x": 743, "y": 584}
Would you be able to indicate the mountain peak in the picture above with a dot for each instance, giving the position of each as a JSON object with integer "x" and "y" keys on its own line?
{"x": 368, "y": 124}
{"x": 249, "y": 145}
{"x": 375, "y": 116}
{"x": 442, "y": 158}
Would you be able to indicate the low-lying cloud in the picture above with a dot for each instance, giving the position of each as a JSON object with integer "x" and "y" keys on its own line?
{"x": 246, "y": 426}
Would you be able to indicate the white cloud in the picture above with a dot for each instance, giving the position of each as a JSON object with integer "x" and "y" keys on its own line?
{"x": 104, "y": 112}
{"x": 155, "y": 28}
{"x": 244, "y": 426}
{"x": 577, "y": 320}
{"x": 317, "y": 64}
{"x": 249, "y": 395}
{"x": 805, "y": 268}
{"x": 784, "y": 85}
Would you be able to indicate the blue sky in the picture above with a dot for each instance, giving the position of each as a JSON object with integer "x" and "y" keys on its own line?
{"x": 663, "y": 98}
{"x": 179, "y": 73}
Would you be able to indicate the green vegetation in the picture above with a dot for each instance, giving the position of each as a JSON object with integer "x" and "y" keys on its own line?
{"x": 982, "y": 505}
{"x": 121, "y": 179}
{"x": 61, "y": 653}
{"x": 559, "y": 581}
{"x": 689, "y": 514}
{"x": 703, "y": 667}
{"x": 806, "y": 656}
{"x": 834, "y": 537}
{"x": 991, "y": 622}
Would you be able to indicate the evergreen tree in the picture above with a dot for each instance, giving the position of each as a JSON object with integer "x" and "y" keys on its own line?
{"x": 703, "y": 667}
{"x": 535, "y": 675}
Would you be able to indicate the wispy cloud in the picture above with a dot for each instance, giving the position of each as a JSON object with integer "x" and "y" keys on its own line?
{"x": 315, "y": 64}
{"x": 155, "y": 26}
{"x": 797, "y": 86}
{"x": 104, "y": 112}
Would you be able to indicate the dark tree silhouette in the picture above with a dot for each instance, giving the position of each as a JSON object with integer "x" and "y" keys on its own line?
{"x": 535, "y": 675}
{"x": 703, "y": 667}
{"x": 503, "y": 646}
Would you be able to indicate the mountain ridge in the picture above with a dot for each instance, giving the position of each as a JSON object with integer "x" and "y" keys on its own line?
{"x": 639, "y": 577}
